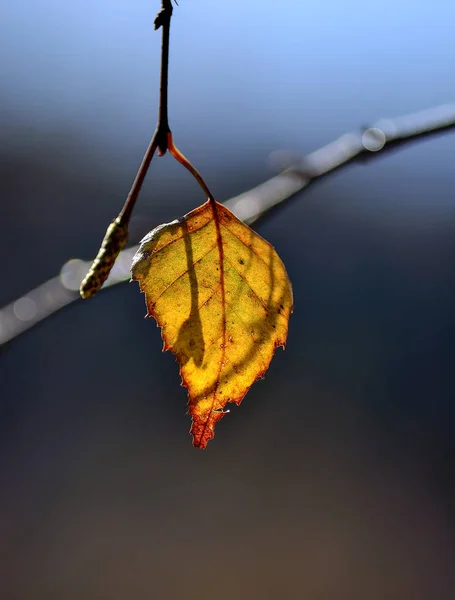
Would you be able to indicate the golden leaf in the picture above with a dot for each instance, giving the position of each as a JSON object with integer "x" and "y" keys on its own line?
{"x": 223, "y": 298}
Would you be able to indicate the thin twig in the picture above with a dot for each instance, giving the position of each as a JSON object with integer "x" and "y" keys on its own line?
{"x": 367, "y": 144}
{"x": 116, "y": 235}
{"x": 159, "y": 138}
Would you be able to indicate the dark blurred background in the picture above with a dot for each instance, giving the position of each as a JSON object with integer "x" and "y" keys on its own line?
{"x": 334, "y": 479}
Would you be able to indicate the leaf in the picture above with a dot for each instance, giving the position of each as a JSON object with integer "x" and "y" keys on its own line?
{"x": 223, "y": 298}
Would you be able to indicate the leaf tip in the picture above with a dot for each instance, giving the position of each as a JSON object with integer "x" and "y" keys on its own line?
{"x": 203, "y": 427}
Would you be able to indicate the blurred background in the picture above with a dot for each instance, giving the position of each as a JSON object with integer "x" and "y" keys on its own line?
{"x": 335, "y": 478}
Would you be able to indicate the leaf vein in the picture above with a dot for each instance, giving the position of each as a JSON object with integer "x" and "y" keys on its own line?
{"x": 210, "y": 297}
{"x": 263, "y": 304}
{"x": 185, "y": 272}
{"x": 250, "y": 248}
{"x": 187, "y": 232}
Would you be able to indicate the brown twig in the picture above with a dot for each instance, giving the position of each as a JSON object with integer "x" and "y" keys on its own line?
{"x": 117, "y": 233}
{"x": 159, "y": 138}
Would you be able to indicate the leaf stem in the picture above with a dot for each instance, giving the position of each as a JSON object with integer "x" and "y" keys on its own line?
{"x": 179, "y": 157}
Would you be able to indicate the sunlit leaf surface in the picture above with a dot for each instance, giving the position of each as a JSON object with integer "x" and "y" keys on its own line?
{"x": 222, "y": 297}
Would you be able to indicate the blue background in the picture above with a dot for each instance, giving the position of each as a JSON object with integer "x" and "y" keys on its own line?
{"x": 334, "y": 479}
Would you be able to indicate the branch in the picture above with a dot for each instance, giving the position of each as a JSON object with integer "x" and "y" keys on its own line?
{"x": 387, "y": 135}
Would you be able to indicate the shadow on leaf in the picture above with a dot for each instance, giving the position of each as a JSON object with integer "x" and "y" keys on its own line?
{"x": 190, "y": 340}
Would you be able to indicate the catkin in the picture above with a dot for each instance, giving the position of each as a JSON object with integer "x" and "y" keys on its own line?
{"x": 113, "y": 242}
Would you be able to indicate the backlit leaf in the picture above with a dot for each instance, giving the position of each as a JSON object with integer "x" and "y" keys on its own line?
{"x": 222, "y": 297}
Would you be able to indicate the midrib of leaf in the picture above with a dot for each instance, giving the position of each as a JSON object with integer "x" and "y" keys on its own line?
{"x": 219, "y": 243}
